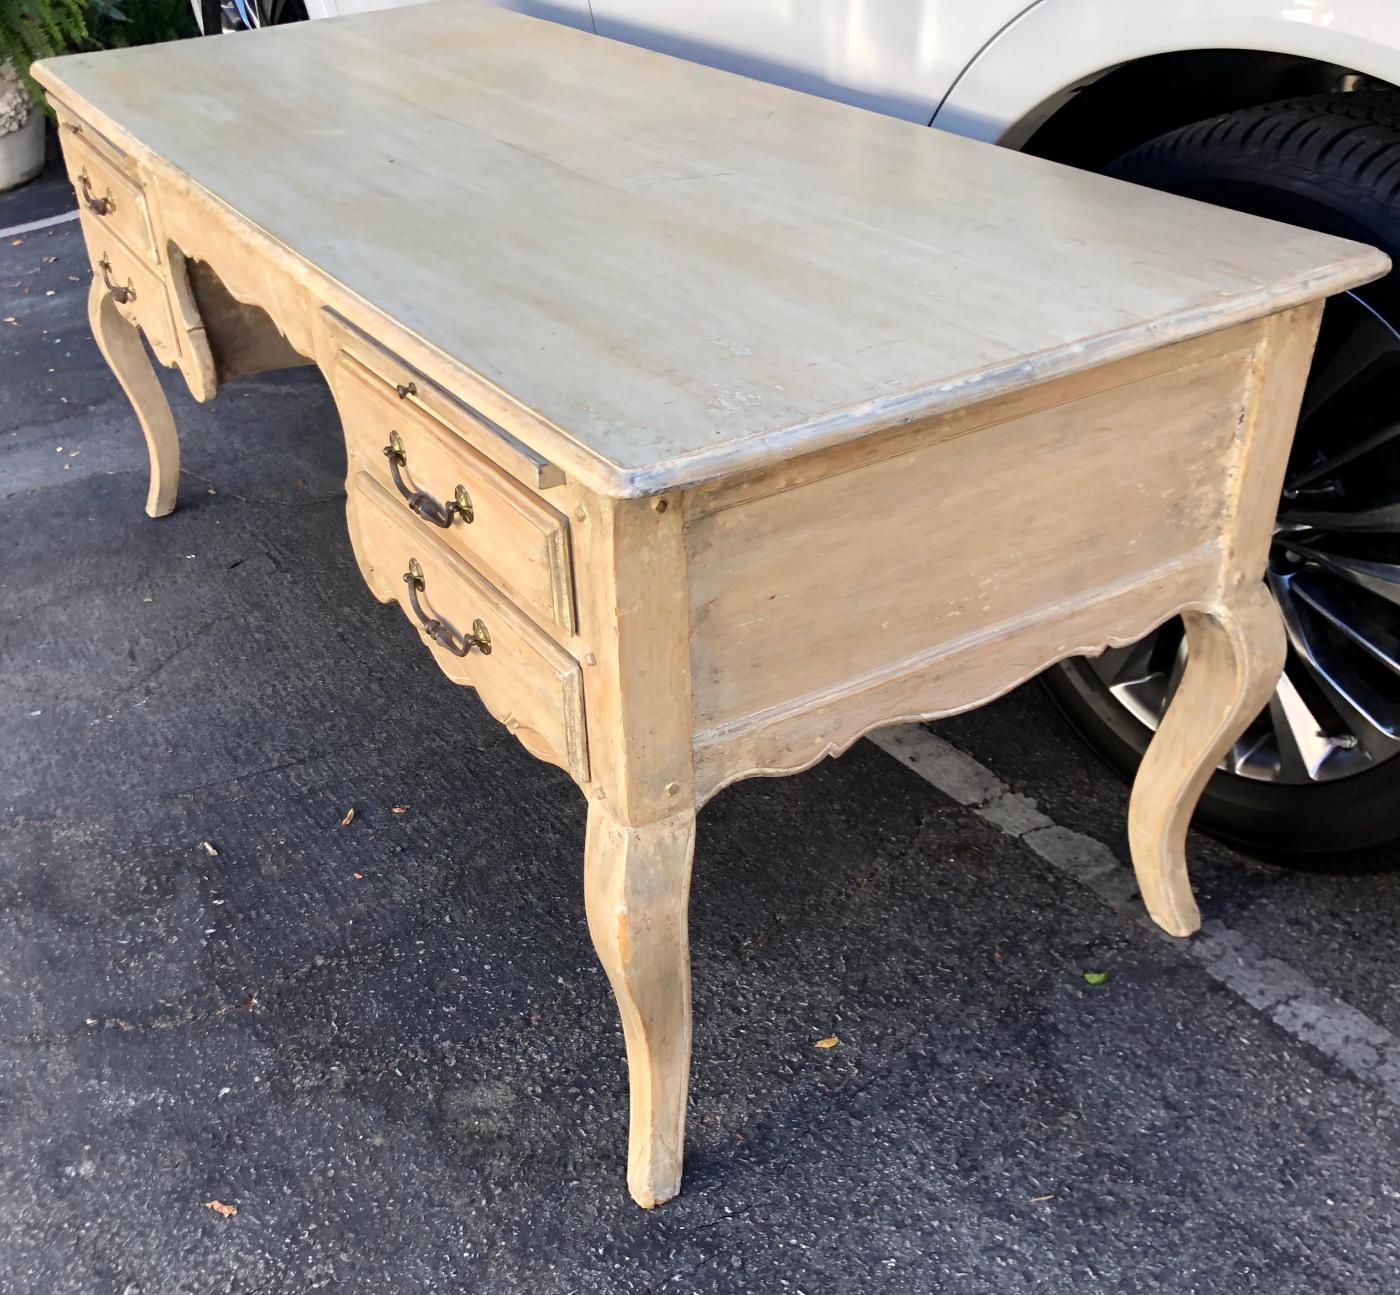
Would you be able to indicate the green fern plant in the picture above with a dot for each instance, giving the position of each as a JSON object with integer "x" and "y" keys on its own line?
{"x": 33, "y": 29}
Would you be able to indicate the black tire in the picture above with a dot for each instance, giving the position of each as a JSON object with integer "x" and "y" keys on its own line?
{"x": 1331, "y": 163}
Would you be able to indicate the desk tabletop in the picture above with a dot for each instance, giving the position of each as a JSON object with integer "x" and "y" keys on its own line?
{"x": 683, "y": 273}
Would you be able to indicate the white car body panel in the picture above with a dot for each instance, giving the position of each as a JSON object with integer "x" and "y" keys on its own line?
{"x": 1056, "y": 45}
{"x": 992, "y": 70}
{"x": 572, "y": 13}
{"x": 893, "y": 56}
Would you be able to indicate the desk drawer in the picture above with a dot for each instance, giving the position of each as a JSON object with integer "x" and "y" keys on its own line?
{"x": 417, "y": 391}
{"x": 137, "y": 289}
{"x": 492, "y": 520}
{"x": 526, "y": 680}
{"x": 108, "y": 196}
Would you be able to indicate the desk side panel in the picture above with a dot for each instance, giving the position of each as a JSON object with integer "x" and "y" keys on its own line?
{"x": 818, "y": 586}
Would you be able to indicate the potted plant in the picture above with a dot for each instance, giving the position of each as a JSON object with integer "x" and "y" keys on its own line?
{"x": 30, "y": 29}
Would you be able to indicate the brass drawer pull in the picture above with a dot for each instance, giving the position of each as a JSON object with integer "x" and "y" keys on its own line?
{"x": 428, "y": 508}
{"x": 121, "y": 295}
{"x": 479, "y": 638}
{"x": 102, "y": 206}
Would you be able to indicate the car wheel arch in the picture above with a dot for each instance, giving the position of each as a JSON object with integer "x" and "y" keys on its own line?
{"x": 1044, "y": 80}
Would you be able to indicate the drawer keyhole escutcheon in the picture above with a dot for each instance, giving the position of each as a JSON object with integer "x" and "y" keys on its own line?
{"x": 443, "y": 635}
{"x": 121, "y": 295}
{"x": 428, "y": 508}
{"x": 102, "y": 206}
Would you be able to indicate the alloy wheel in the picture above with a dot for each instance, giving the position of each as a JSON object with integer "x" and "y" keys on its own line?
{"x": 1334, "y": 569}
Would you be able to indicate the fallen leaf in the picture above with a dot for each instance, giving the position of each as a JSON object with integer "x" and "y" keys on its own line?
{"x": 16, "y": 242}
{"x": 1040, "y": 1200}
{"x": 1096, "y": 977}
{"x": 209, "y": 849}
{"x": 359, "y": 876}
{"x": 226, "y": 1211}
{"x": 400, "y": 809}
{"x": 10, "y": 319}
{"x": 148, "y": 600}
{"x": 829, "y": 1042}
{"x": 349, "y": 817}
{"x": 48, "y": 260}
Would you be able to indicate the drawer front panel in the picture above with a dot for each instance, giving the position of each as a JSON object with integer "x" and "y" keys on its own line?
{"x": 137, "y": 289}
{"x": 527, "y": 681}
{"x": 418, "y": 391}
{"x": 520, "y": 542}
{"x": 108, "y": 196}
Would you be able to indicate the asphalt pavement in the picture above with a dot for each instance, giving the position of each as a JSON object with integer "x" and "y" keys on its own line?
{"x": 386, "y": 1044}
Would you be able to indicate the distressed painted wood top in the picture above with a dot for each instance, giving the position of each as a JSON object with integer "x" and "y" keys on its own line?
{"x": 682, "y": 273}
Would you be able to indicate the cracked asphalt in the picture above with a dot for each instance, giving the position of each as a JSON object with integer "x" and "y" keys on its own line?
{"x": 387, "y": 1043}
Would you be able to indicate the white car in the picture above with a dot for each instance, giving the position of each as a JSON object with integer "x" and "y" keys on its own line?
{"x": 1288, "y": 108}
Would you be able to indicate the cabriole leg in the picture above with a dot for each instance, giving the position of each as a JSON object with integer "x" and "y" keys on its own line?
{"x": 1234, "y": 655}
{"x": 637, "y": 890}
{"x": 120, "y": 344}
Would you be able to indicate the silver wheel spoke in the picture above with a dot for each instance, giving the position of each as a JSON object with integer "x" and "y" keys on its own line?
{"x": 1349, "y": 358}
{"x": 1137, "y": 675}
{"x": 1302, "y": 747}
{"x": 1328, "y": 466}
{"x": 1382, "y": 518}
{"x": 1253, "y": 750}
{"x": 1361, "y": 709}
{"x": 1379, "y": 578}
{"x": 1376, "y": 642}
{"x": 1126, "y": 666}
{"x": 1177, "y": 670}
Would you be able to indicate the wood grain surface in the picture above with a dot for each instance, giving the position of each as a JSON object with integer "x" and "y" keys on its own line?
{"x": 676, "y": 272}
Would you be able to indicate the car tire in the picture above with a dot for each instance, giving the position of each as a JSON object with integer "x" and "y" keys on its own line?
{"x": 1331, "y": 163}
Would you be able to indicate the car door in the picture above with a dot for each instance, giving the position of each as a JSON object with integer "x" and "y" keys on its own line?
{"x": 893, "y": 56}
{"x": 572, "y": 13}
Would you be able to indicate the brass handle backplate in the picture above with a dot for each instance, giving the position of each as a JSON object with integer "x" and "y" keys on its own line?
{"x": 104, "y": 205}
{"x": 121, "y": 295}
{"x": 457, "y": 644}
{"x": 422, "y": 503}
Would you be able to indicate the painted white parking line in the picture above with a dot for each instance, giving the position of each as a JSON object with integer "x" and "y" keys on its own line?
{"x": 30, "y": 226}
{"x": 1297, "y": 1005}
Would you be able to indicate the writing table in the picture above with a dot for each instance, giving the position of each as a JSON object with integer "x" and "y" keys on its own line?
{"x": 701, "y": 426}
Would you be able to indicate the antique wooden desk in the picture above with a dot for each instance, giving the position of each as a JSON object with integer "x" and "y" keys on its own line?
{"x": 701, "y": 426}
